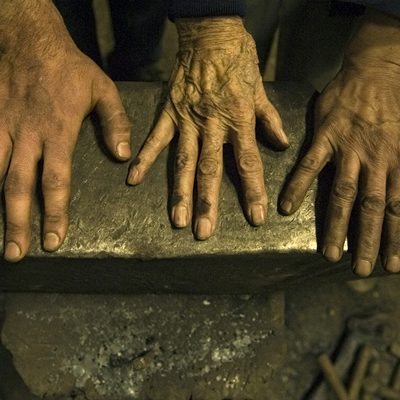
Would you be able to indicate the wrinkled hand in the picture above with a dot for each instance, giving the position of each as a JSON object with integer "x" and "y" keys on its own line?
{"x": 47, "y": 87}
{"x": 216, "y": 92}
{"x": 357, "y": 127}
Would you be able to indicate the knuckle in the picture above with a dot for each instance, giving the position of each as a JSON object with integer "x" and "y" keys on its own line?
{"x": 205, "y": 107}
{"x": 203, "y": 206}
{"x": 121, "y": 120}
{"x": 393, "y": 242}
{"x": 373, "y": 204}
{"x": 190, "y": 88}
{"x": 250, "y": 162}
{"x": 106, "y": 84}
{"x": 240, "y": 109}
{"x": 176, "y": 198}
{"x": 178, "y": 98}
{"x": 361, "y": 124}
{"x": 181, "y": 161}
{"x": 118, "y": 123}
{"x": 255, "y": 195}
{"x": 14, "y": 229}
{"x": 309, "y": 163}
{"x": 393, "y": 208}
{"x": 345, "y": 190}
{"x": 153, "y": 140}
{"x": 55, "y": 181}
{"x": 16, "y": 184}
{"x": 239, "y": 104}
{"x": 55, "y": 217}
{"x": 208, "y": 166}
{"x": 175, "y": 92}
{"x": 337, "y": 212}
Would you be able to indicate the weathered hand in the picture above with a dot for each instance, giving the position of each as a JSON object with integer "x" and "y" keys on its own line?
{"x": 216, "y": 92}
{"x": 357, "y": 127}
{"x": 47, "y": 87}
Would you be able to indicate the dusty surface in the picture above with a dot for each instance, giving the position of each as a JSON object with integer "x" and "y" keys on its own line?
{"x": 315, "y": 322}
{"x": 146, "y": 347}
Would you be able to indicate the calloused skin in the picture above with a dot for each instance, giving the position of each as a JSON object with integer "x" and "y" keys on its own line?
{"x": 47, "y": 87}
{"x": 215, "y": 95}
{"x": 357, "y": 128}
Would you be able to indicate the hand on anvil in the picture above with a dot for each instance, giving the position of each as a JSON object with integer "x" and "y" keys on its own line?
{"x": 215, "y": 95}
{"x": 47, "y": 87}
{"x": 357, "y": 128}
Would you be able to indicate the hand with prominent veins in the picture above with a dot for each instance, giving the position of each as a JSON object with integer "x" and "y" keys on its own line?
{"x": 215, "y": 95}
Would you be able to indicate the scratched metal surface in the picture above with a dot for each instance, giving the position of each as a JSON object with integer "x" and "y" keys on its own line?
{"x": 119, "y": 233}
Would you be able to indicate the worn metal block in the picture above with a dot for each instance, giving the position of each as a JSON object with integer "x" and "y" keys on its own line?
{"x": 120, "y": 238}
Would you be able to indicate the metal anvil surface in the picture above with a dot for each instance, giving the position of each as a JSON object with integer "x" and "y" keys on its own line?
{"x": 120, "y": 238}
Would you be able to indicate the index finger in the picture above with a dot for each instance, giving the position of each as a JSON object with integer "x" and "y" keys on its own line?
{"x": 308, "y": 169}
{"x": 158, "y": 139}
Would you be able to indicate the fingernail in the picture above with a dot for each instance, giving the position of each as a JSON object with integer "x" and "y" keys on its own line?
{"x": 180, "y": 216}
{"x": 257, "y": 214}
{"x": 285, "y": 139}
{"x": 51, "y": 241}
{"x": 133, "y": 177}
{"x": 332, "y": 253}
{"x": 286, "y": 206}
{"x": 393, "y": 264}
{"x": 203, "y": 230}
{"x": 124, "y": 150}
{"x": 13, "y": 252}
{"x": 362, "y": 268}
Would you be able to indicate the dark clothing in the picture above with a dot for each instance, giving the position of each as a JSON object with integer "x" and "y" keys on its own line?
{"x": 80, "y": 21}
{"x": 138, "y": 28}
{"x": 388, "y": 6}
{"x": 205, "y": 8}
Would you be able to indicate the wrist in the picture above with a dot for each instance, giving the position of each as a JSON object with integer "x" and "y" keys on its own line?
{"x": 198, "y": 33}
{"x": 376, "y": 44}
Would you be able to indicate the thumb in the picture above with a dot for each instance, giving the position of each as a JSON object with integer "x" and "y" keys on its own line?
{"x": 116, "y": 127}
{"x": 270, "y": 119}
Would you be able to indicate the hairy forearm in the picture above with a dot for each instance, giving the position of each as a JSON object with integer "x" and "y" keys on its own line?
{"x": 32, "y": 28}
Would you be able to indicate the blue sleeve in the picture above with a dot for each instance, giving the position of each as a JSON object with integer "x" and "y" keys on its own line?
{"x": 388, "y": 6}
{"x": 205, "y": 8}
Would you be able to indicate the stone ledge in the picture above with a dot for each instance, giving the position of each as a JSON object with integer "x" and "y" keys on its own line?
{"x": 120, "y": 238}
